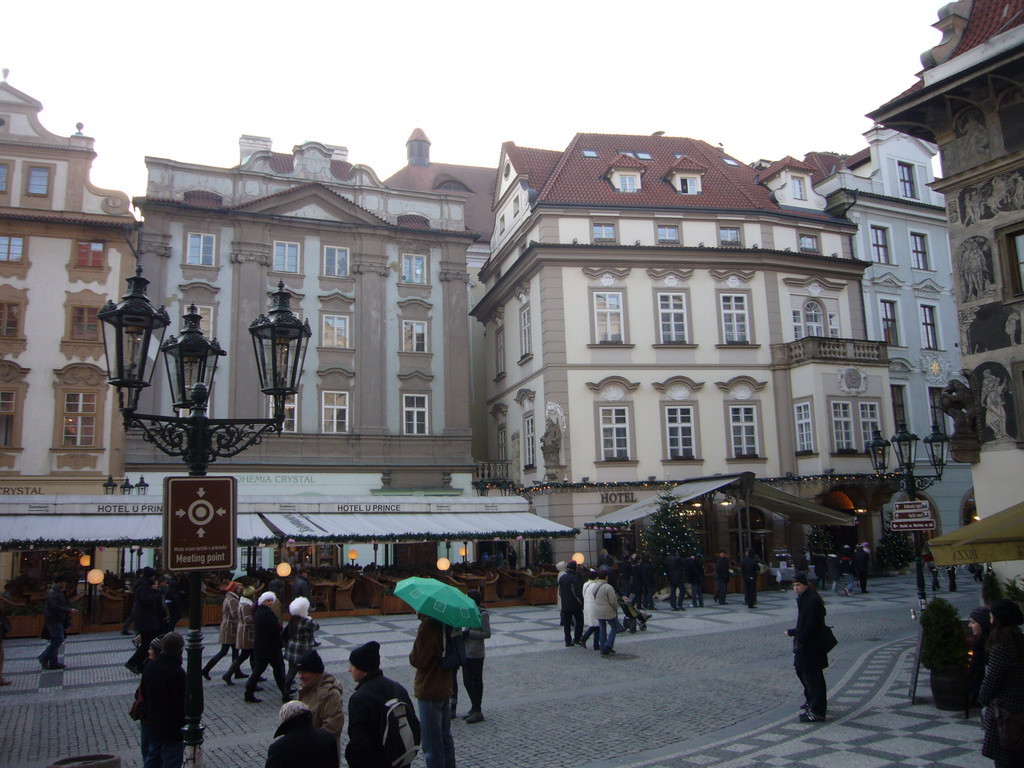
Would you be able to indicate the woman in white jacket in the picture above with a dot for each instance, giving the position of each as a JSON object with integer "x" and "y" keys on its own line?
{"x": 606, "y": 610}
{"x": 589, "y": 620}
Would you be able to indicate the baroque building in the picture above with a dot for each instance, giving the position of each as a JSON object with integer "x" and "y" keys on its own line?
{"x": 658, "y": 310}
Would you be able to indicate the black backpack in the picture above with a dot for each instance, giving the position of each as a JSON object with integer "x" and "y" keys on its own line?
{"x": 454, "y": 650}
{"x": 398, "y": 742}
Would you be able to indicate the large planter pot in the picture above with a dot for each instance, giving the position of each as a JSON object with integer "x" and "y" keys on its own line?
{"x": 212, "y": 614}
{"x": 390, "y": 604}
{"x": 542, "y": 595}
{"x": 949, "y": 689}
{"x": 27, "y": 625}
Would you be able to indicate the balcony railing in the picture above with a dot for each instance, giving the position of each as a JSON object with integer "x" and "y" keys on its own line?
{"x": 821, "y": 349}
{"x": 492, "y": 470}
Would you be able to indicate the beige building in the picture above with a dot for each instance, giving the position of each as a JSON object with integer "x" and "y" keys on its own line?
{"x": 62, "y": 254}
{"x": 657, "y": 310}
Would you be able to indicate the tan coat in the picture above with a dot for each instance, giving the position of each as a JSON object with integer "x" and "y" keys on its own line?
{"x": 324, "y": 697}
{"x": 229, "y": 620}
{"x": 246, "y": 631}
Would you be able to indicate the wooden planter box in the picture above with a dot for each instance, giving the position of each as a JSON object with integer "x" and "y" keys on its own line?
{"x": 391, "y": 604}
{"x": 542, "y": 595}
{"x": 26, "y": 626}
{"x": 212, "y": 614}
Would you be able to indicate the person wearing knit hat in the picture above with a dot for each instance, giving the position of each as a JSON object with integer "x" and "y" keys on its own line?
{"x": 300, "y": 633}
{"x": 299, "y": 743}
{"x": 809, "y": 655}
{"x": 228, "y": 627}
{"x": 1004, "y": 679}
{"x": 366, "y": 708}
{"x": 163, "y": 691}
{"x": 267, "y": 648}
{"x": 321, "y": 692}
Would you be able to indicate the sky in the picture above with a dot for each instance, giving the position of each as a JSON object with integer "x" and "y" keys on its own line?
{"x": 185, "y": 80}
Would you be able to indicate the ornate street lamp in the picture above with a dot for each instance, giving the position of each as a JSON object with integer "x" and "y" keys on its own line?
{"x": 110, "y": 486}
{"x": 905, "y": 445}
{"x": 126, "y": 486}
{"x": 142, "y": 487}
{"x": 129, "y": 331}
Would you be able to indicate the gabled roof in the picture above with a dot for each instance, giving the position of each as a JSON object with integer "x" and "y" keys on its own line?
{"x": 827, "y": 163}
{"x": 687, "y": 163}
{"x": 989, "y": 18}
{"x": 536, "y": 164}
{"x": 626, "y": 161}
{"x": 788, "y": 162}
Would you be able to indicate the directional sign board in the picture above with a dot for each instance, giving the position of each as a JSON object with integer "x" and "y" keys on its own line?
{"x": 200, "y": 523}
{"x": 913, "y": 525}
{"x": 912, "y": 511}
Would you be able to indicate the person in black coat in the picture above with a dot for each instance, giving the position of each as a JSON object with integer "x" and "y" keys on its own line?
{"x": 695, "y": 578}
{"x": 570, "y": 594}
{"x": 366, "y": 708}
{"x": 298, "y": 743}
{"x": 722, "y": 574}
{"x": 809, "y": 656}
{"x": 750, "y": 570}
{"x": 163, "y": 691}
{"x": 1004, "y": 679}
{"x": 980, "y": 626}
{"x": 267, "y": 649}
{"x": 148, "y": 615}
{"x": 861, "y": 565}
{"x": 643, "y": 579}
{"x": 675, "y": 572}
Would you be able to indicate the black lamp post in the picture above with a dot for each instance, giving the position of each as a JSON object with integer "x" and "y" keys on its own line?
{"x": 905, "y": 445}
{"x": 129, "y": 329}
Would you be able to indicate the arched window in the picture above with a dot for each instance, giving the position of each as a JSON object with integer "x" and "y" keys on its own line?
{"x": 814, "y": 319}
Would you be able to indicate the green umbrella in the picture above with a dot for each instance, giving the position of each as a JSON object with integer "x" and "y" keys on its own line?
{"x": 439, "y": 601}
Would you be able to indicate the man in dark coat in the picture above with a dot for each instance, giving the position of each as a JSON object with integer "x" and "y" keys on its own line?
{"x": 861, "y": 563}
{"x": 750, "y": 570}
{"x": 721, "y": 577}
{"x": 643, "y": 579}
{"x": 298, "y": 743}
{"x": 267, "y": 648}
{"x": 570, "y": 593}
{"x": 809, "y": 656}
{"x": 148, "y": 613}
{"x": 56, "y": 617}
{"x": 676, "y": 574}
{"x": 695, "y": 578}
{"x": 163, "y": 691}
{"x": 366, "y": 708}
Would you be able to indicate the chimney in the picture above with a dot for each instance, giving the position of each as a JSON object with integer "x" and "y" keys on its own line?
{"x": 338, "y": 153}
{"x": 249, "y": 145}
{"x": 418, "y": 148}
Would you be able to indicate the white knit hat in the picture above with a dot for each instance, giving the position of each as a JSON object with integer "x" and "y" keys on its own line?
{"x": 267, "y": 597}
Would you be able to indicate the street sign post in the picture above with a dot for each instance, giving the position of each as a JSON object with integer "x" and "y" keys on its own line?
{"x": 913, "y": 525}
{"x": 200, "y": 530}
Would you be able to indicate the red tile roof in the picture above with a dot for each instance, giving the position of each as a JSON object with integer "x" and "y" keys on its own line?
{"x": 626, "y": 161}
{"x": 989, "y": 18}
{"x": 827, "y": 163}
{"x": 67, "y": 217}
{"x": 479, "y": 182}
{"x": 780, "y": 165}
{"x": 412, "y": 221}
{"x": 203, "y": 198}
{"x": 285, "y": 164}
{"x": 686, "y": 163}
{"x": 569, "y": 178}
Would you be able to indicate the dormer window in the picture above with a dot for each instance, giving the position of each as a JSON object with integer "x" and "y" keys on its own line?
{"x": 629, "y": 182}
{"x": 688, "y": 185}
{"x": 798, "y": 187}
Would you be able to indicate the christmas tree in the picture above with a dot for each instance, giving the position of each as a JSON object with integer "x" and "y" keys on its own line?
{"x": 670, "y": 530}
{"x": 895, "y": 550}
{"x": 544, "y": 552}
{"x": 820, "y": 540}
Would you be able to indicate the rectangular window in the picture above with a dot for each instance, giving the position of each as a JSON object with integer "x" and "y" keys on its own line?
{"x": 290, "y": 414}
{"x": 11, "y": 249}
{"x": 4, "y": 176}
{"x": 1014, "y": 251}
{"x": 334, "y": 415}
{"x": 10, "y": 318}
{"x": 608, "y": 318}
{"x": 335, "y": 261}
{"x": 689, "y": 185}
{"x": 627, "y": 183}
{"x": 799, "y": 188}
{"x": 604, "y": 233}
{"x": 936, "y": 416}
{"x": 842, "y": 427}
{"x": 672, "y": 318}
{"x": 869, "y": 422}
{"x": 201, "y": 249}
{"x": 6, "y": 419}
{"x": 679, "y": 431}
{"x": 205, "y": 312}
{"x": 499, "y": 351}
{"x": 414, "y": 268}
{"x": 908, "y": 187}
{"x": 414, "y": 414}
{"x": 890, "y": 326}
{"x": 515, "y": 206}
{"x": 89, "y": 255}
{"x": 804, "y": 428}
{"x": 286, "y": 256}
{"x": 743, "y": 428}
{"x": 833, "y": 325}
{"x": 734, "y": 318}
{"x": 529, "y": 442}
{"x": 501, "y": 436}
{"x": 880, "y": 245}
{"x": 899, "y": 403}
{"x": 668, "y": 233}
{"x": 809, "y": 244}
{"x": 614, "y": 433}
{"x": 929, "y": 327}
{"x": 38, "y": 181}
{"x": 85, "y": 326}
{"x": 79, "y": 419}
{"x": 414, "y": 335}
{"x": 729, "y": 235}
{"x": 525, "y": 337}
{"x": 919, "y": 250}
{"x": 501, "y": 223}
{"x": 335, "y": 331}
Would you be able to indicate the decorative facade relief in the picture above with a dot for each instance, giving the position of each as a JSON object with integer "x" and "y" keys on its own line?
{"x": 974, "y": 267}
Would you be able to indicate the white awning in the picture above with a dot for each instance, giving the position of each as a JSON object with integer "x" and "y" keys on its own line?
{"x": 80, "y": 528}
{"x": 682, "y": 492}
{"x": 453, "y": 525}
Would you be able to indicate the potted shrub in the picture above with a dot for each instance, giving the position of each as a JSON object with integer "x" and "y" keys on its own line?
{"x": 389, "y": 603}
{"x": 26, "y": 620}
{"x": 944, "y": 654}
{"x": 543, "y": 590}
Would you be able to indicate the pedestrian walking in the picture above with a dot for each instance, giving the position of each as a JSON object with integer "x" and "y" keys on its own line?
{"x": 433, "y": 690}
{"x": 367, "y": 709}
{"x": 298, "y": 743}
{"x": 819, "y": 570}
{"x": 675, "y": 572}
{"x": 835, "y": 572}
{"x": 129, "y": 620}
{"x": 570, "y": 595}
{"x": 722, "y": 575}
{"x": 846, "y": 567}
{"x": 172, "y": 594}
{"x": 810, "y": 659}
{"x": 643, "y": 572}
{"x": 750, "y": 569}
{"x": 321, "y": 692}
{"x": 228, "y": 627}
{"x": 1004, "y": 680}
{"x": 473, "y": 669}
{"x": 244, "y": 637}
{"x": 267, "y": 649}
{"x": 606, "y": 610}
{"x": 300, "y": 585}
{"x": 695, "y": 578}
{"x": 861, "y": 565}
{"x": 163, "y": 691}
{"x": 589, "y": 594}
{"x": 56, "y": 619}
{"x": 148, "y": 616}
{"x": 301, "y": 638}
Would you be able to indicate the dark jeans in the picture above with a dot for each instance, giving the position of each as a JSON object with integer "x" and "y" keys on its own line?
{"x": 813, "y": 681}
{"x": 721, "y": 589}
{"x": 586, "y": 636}
{"x": 750, "y": 591}
{"x": 165, "y": 754}
{"x": 697, "y": 595}
{"x": 236, "y": 665}
{"x": 572, "y": 625}
{"x": 473, "y": 679}
{"x": 49, "y": 655}
{"x": 224, "y": 648}
{"x": 862, "y": 578}
{"x": 436, "y": 732}
{"x": 672, "y": 590}
{"x": 259, "y": 666}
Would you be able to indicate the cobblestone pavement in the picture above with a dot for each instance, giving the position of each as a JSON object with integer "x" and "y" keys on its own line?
{"x": 709, "y": 686}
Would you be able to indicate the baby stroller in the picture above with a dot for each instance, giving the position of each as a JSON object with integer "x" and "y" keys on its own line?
{"x": 632, "y": 617}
